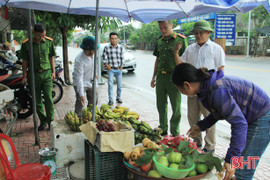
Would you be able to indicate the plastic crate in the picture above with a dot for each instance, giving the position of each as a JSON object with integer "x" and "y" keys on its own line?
{"x": 103, "y": 165}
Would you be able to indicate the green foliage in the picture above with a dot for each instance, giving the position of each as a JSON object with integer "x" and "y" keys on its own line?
{"x": 175, "y": 23}
{"x": 187, "y": 27}
{"x": 146, "y": 158}
{"x": 19, "y": 35}
{"x": 150, "y": 32}
{"x": 55, "y": 22}
{"x": 128, "y": 30}
{"x": 79, "y": 39}
{"x": 134, "y": 38}
{"x": 259, "y": 17}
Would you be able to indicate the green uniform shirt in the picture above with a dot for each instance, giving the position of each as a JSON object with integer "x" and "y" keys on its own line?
{"x": 41, "y": 53}
{"x": 164, "y": 50}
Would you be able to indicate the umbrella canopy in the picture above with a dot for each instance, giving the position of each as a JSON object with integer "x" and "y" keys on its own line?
{"x": 145, "y": 11}
{"x": 243, "y": 6}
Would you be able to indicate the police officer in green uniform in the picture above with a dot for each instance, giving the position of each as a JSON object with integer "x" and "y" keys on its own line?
{"x": 164, "y": 65}
{"x": 44, "y": 72}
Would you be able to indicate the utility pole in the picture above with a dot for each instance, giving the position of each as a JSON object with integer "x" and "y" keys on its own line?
{"x": 249, "y": 19}
{"x": 124, "y": 36}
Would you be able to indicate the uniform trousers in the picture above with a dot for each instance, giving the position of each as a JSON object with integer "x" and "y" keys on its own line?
{"x": 44, "y": 85}
{"x": 165, "y": 88}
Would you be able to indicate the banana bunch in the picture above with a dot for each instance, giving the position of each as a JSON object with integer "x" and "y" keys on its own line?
{"x": 86, "y": 115}
{"x": 105, "y": 112}
{"x": 109, "y": 114}
{"x": 97, "y": 112}
{"x": 120, "y": 109}
{"x": 127, "y": 123}
{"x": 143, "y": 130}
{"x": 73, "y": 121}
{"x": 134, "y": 123}
{"x": 128, "y": 114}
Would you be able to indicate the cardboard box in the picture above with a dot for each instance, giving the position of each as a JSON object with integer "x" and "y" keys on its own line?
{"x": 117, "y": 141}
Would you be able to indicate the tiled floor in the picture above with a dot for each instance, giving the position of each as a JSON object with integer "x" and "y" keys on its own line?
{"x": 24, "y": 139}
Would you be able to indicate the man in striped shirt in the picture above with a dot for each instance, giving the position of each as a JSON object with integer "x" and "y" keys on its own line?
{"x": 113, "y": 57}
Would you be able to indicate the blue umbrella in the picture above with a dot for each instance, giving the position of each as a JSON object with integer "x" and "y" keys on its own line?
{"x": 145, "y": 11}
{"x": 243, "y": 6}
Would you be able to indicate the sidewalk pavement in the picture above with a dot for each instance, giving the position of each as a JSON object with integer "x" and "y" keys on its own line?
{"x": 24, "y": 138}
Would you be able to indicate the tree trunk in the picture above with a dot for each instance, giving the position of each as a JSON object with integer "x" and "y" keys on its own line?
{"x": 65, "y": 55}
{"x": 256, "y": 44}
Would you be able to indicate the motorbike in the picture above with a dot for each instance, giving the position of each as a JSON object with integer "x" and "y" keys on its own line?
{"x": 58, "y": 70}
{"x": 9, "y": 62}
{"x": 23, "y": 95}
{"x": 14, "y": 64}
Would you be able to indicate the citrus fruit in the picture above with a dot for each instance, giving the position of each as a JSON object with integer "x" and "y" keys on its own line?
{"x": 173, "y": 166}
{"x": 202, "y": 168}
{"x": 163, "y": 160}
{"x": 192, "y": 173}
{"x": 154, "y": 173}
{"x": 175, "y": 157}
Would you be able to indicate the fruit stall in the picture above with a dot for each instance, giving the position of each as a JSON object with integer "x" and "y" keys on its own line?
{"x": 121, "y": 146}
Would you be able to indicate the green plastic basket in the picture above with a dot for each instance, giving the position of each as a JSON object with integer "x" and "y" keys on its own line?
{"x": 103, "y": 165}
{"x": 169, "y": 172}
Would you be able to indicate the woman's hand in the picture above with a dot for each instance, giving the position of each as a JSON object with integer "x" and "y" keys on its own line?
{"x": 229, "y": 171}
{"x": 194, "y": 131}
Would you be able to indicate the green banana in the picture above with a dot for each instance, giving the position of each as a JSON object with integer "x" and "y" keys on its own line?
{"x": 133, "y": 120}
{"x": 145, "y": 124}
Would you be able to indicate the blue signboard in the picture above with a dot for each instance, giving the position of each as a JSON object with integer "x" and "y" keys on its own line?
{"x": 197, "y": 18}
{"x": 225, "y": 27}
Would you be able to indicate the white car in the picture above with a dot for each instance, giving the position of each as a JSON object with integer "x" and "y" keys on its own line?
{"x": 130, "y": 63}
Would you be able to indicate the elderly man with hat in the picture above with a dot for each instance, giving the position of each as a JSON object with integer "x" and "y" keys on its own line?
{"x": 202, "y": 53}
{"x": 83, "y": 74}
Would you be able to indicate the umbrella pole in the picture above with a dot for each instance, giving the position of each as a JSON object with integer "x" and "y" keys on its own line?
{"x": 31, "y": 60}
{"x": 95, "y": 65}
{"x": 100, "y": 64}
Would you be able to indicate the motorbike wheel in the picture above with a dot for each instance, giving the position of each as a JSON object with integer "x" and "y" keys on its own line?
{"x": 57, "y": 92}
{"x": 25, "y": 112}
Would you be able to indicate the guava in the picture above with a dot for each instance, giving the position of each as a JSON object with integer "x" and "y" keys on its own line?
{"x": 175, "y": 157}
{"x": 164, "y": 161}
{"x": 201, "y": 168}
{"x": 173, "y": 166}
{"x": 154, "y": 173}
{"x": 192, "y": 173}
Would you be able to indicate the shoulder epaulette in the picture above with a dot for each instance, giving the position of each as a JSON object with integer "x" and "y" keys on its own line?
{"x": 46, "y": 37}
{"x": 24, "y": 41}
{"x": 181, "y": 35}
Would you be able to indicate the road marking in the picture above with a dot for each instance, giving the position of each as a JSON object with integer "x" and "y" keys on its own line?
{"x": 251, "y": 69}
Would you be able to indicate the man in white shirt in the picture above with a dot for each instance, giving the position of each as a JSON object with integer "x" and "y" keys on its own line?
{"x": 83, "y": 74}
{"x": 202, "y": 53}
